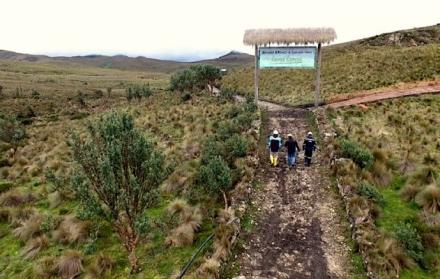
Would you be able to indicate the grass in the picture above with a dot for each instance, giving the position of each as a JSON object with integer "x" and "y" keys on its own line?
{"x": 402, "y": 136}
{"x": 396, "y": 210}
{"x": 346, "y": 68}
{"x": 177, "y": 127}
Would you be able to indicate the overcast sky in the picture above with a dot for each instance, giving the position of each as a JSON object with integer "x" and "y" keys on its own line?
{"x": 167, "y": 28}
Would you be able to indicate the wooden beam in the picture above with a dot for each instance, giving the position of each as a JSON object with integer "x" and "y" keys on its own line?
{"x": 318, "y": 76}
{"x": 256, "y": 74}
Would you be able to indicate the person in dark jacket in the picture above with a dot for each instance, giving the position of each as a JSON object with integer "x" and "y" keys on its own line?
{"x": 291, "y": 146}
{"x": 309, "y": 146}
{"x": 274, "y": 144}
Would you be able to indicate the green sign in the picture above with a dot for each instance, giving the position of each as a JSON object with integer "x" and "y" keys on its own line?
{"x": 287, "y": 57}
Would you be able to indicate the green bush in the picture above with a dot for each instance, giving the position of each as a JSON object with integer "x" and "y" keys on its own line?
{"x": 205, "y": 75}
{"x": 250, "y": 105}
{"x": 225, "y": 130}
{"x": 371, "y": 193}
{"x": 197, "y": 77}
{"x": 360, "y": 155}
{"x": 212, "y": 149}
{"x": 244, "y": 121}
{"x": 138, "y": 91}
{"x": 215, "y": 176}
{"x": 118, "y": 174}
{"x": 410, "y": 239}
{"x": 237, "y": 146}
{"x": 183, "y": 81}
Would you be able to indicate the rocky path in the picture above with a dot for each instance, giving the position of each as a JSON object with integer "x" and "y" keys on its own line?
{"x": 299, "y": 232}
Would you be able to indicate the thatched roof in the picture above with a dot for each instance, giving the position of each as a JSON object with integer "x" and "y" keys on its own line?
{"x": 289, "y": 36}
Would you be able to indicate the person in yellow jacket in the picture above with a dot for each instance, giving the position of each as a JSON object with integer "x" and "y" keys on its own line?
{"x": 274, "y": 144}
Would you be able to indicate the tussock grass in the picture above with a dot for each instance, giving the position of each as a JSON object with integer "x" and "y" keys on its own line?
{"x": 29, "y": 227}
{"x": 403, "y": 141}
{"x": 72, "y": 230}
{"x": 190, "y": 219}
{"x": 14, "y": 198}
{"x": 70, "y": 265}
{"x": 34, "y": 246}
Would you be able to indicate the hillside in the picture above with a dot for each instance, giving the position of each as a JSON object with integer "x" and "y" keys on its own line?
{"x": 43, "y": 221}
{"x": 394, "y": 198}
{"x": 122, "y": 62}
{"x": 365, "y": 64}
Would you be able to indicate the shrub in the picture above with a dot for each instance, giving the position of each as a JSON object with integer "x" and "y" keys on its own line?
{"x": 244, "y": 121}
{"x": 48, "y": 223}
{"x": 237, "y": 146}
{"x": 360, "y": 155}
{"x": 205, "y": 75}
{"x": 371, "y": 193}
{"x": 225, "y": 130}
{"x": 119, "y": 175}
{"x": 212, "y": 149}
{"x": 249, "y": 105}
{"x": 183, "y": 81}
{"x": 216, "y": 177}
{"x": 138, "y": 91}
{"x": 410, "y": 239}
{"x": 198, "y": 76}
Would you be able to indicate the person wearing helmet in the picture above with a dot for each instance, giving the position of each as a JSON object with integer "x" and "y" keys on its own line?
{"x": 291, "y": 146}
{"x": 274, "y": 144}
{"x": 309, "y": 146}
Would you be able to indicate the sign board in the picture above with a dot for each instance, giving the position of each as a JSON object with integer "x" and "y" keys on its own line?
{"x": 287, "y": 57}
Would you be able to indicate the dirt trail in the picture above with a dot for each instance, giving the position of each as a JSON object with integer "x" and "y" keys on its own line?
{"x": 390, "y": 94}
{"x": 299, "y": 232}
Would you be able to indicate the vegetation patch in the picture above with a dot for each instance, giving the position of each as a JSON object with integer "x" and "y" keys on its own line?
{"x": 393, "y": 201}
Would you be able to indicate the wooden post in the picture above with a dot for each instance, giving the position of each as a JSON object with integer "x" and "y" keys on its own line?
{"x": 256, "y": 74}
{"x": 318, "y": 76}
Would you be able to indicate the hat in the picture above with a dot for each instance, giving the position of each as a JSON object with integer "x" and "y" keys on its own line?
{"x": 275, "y": 132}
{"x": 289, "y": 136}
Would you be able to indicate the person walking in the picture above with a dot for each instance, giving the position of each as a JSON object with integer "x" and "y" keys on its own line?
{"x": 291, "y": 146}
{"x": 309, "y": 146}
{"x": 274, "y": 145}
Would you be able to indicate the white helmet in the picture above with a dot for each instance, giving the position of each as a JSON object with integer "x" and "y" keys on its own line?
{"x": 275, "y": 132}
{"x": 309, "y": 134}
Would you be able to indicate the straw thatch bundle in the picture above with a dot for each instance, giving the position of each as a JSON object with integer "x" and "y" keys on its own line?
{"x": 289, "y": 36}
